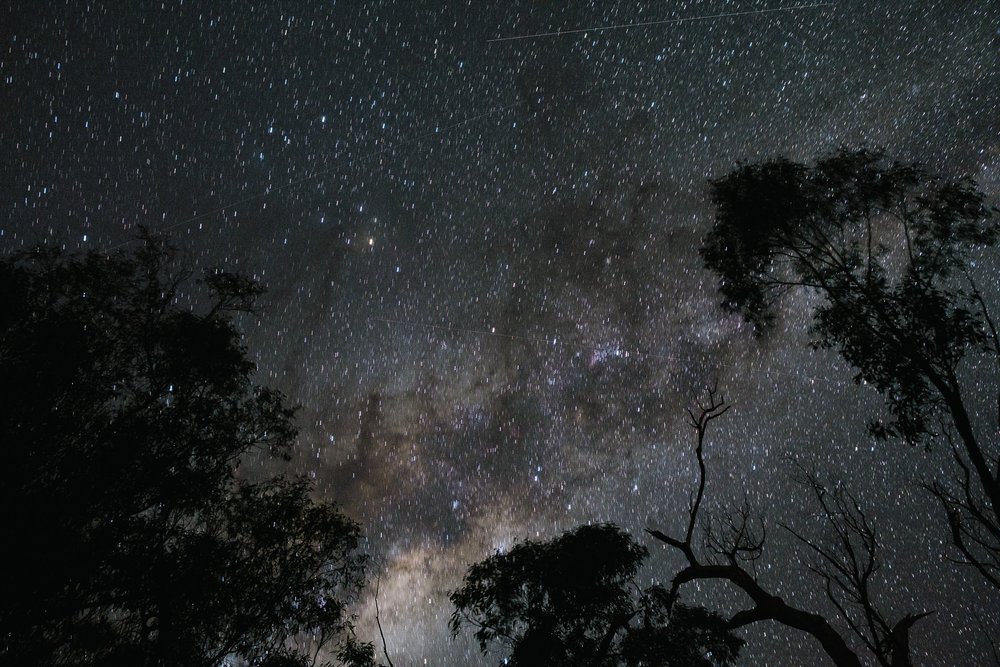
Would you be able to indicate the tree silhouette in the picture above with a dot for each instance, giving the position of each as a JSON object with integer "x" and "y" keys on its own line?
{"x": 846, "y": 565}
{"x": 131, "y": 536}
{"x": 573, "y": 600}
{"x": 890, "y": 250}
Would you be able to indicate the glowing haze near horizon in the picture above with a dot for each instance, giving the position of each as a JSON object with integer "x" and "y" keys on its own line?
{"x": 484, "y": 286}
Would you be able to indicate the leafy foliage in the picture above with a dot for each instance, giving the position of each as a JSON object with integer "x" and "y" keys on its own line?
{"x": 885, "y": 245}
{"x": 132, "y": 539}
{"x": 573, "y": 600}
{"x": 890, "y": 250}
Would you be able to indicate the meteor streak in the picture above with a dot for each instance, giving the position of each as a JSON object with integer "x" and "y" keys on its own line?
{"x": 689, "y": 19}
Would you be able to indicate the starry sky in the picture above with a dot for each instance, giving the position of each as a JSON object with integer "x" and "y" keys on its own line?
{"x": 481, "y": 252}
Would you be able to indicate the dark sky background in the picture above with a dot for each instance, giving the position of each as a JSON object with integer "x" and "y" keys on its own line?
{"x": 484, "y": 286}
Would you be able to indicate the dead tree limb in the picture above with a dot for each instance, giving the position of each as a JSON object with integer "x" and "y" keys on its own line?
{"x": 847, "y": 570}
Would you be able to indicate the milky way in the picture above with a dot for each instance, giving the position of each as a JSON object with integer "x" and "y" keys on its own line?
{"x": 481, "y": 256}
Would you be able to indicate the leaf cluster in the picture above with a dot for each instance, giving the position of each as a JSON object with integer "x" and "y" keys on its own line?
{"x": 125, "y": 417}
{"x": 887, "y": 247}
{"x": 573, "y": 600}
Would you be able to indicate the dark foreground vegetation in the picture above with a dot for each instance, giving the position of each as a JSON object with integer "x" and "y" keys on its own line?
{"x": 133, "y": 539}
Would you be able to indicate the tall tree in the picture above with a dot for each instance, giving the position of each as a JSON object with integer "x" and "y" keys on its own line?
{"x": 573, "y": 600}
{"x": 131, "y": 536}
{"x": 889, "y": 251}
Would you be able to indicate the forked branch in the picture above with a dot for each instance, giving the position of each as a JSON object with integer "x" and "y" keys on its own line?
{"x": 847, "y": 568}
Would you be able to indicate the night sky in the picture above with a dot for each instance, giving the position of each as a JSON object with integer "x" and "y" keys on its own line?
{"x": 481, "y": 256}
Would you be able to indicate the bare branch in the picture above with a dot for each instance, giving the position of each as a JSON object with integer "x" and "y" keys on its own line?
{"x": 713, "y": 408}
{"x": 378, "y": 622}
{"x": 739, "y": 541}
{"x": 973, "y": 528}
{"x": 847, "y": 568}
{"x": 741, "y": 545}
{"x": 984, "y": 311}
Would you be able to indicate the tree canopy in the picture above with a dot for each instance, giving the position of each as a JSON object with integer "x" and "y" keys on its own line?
{"x": 573, "y": 600}
{"x": 888, "y": 248}
{"x": 891, "y": 251}
{"x": 132, "y": 537}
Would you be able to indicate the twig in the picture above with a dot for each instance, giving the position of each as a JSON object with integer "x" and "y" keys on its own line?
{"x": 378, "y": 622}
